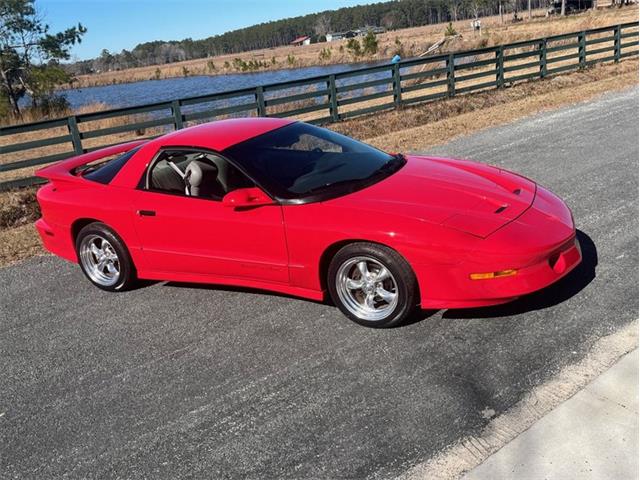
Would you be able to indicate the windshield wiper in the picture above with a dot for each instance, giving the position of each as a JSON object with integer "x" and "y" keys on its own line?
{"x": 329, "y": 185}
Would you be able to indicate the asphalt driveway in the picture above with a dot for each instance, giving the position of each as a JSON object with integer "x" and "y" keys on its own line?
{"x": 177, "y": 381}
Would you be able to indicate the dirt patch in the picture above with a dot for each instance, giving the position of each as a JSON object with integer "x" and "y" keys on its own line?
{"x": 18, "y": 207}
{"x": 19, "y": 243}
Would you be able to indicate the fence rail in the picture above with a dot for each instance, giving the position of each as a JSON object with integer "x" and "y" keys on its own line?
{"x": 322, "y": 99}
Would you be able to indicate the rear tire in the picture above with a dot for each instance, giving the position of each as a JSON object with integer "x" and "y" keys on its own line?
{"x": 372, "y": 285}
{"x": 104, "y": 258}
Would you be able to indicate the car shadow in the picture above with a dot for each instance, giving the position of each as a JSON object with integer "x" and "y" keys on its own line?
{"x": 238, "y": 289}
{"x": 552, "y": 295}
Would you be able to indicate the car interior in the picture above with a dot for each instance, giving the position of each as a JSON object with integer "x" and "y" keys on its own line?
{"x": 297, "y": 159}
{"x": 195, "y": 174}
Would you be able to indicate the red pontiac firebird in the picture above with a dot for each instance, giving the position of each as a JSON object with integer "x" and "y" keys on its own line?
{"x": 290, "y": 207}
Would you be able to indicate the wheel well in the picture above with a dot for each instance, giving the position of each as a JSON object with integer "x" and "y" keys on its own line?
{"x": 79, "y": 225}
{"x": 328, "y": 254}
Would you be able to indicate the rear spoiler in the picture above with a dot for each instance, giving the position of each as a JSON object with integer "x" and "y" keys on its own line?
{"x": 63, "y": 170}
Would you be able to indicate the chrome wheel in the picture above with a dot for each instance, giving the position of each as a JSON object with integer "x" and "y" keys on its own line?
{"x": 99, "y": 260}
{"x": 367, "y": 288}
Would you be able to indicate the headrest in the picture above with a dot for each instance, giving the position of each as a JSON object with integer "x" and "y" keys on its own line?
{"x": 197, "y": 170}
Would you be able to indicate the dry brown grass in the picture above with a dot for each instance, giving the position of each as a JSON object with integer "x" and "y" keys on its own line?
{"x": 414, "y": 41}
{"x": 19, "y": 243}
{"x": 600, "y": 78}
{"x": 477, "y": 112}
{"x": 66, "y": 147}
{"x": 410, "y": 129}
{"x": 18, "y": 207}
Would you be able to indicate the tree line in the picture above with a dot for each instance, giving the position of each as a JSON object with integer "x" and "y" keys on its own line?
{"x": 30, "y": 57}
{"x": 391, "y": 15}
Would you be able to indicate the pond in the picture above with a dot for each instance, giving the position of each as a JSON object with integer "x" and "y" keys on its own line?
{"x": 150, "y": 91}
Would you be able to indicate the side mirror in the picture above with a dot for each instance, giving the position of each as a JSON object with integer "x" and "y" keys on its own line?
{"x": 246, "y": 198}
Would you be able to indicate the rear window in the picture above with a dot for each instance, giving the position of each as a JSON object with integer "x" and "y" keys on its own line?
{"x": 105, "y": 172}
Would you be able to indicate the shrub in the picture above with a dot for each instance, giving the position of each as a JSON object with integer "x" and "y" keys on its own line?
{"x": 240, "y": 64}
{"x": 54, "y": 105}
{"x": 5, "y": 107}
{"x": 450, "y": 30}
{"x": 325, "y": 54}
{"x": 354, "y": 48}
{"x": 399, "y": 49}
{"x": 370, "y": 44}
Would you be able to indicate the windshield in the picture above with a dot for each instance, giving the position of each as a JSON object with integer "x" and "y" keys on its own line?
{"x": 301, "y": 160}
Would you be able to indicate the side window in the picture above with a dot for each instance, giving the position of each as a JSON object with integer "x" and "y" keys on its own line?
{"x": 195, "y": 174}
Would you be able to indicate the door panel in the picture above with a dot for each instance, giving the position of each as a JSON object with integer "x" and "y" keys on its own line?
{"x": 201, "y": 236}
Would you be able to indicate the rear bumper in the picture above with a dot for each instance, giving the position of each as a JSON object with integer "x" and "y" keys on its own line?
{"x": 56, "y": 240}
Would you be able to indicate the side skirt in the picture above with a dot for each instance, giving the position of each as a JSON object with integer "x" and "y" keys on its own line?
{"x": 317, "y": 295}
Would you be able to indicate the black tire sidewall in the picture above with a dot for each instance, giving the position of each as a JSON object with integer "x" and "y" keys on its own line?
{"x": 127, "y": 270}
{"x": 395, "y": 263}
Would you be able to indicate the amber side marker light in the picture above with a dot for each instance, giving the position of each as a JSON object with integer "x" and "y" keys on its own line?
{"x": 485, "y": 276}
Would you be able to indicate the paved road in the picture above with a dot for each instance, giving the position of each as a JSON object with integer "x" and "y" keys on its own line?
{"x": 173, "y": 381}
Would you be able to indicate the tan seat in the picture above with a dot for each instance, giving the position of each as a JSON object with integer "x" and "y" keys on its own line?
{"x": 202, "y": 180}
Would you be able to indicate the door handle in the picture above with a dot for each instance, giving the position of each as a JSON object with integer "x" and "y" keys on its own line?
{"x": 147, "y": 213}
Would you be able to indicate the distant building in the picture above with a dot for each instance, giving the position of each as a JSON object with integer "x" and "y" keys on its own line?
{"x": 358, "y": 32}
{"x": 571, "y": 6}
{"x": 304, "y": 40}
{"x": 370, "y": 29}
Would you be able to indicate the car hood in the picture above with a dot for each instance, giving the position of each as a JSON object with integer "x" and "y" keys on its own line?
{"x": 470, "y": 197}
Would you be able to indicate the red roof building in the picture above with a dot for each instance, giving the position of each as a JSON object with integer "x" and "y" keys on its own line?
{"x": 304, "y": 40}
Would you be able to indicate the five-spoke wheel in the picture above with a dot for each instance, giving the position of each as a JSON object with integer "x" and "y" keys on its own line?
{"x": 372, "y": 284}
{"x": 103, "y": 257}
{"x": 366, "y": 288}
{"x": 99, "y": 260}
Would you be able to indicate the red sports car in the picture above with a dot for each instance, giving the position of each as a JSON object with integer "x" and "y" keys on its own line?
{"x": 290, "y": 207}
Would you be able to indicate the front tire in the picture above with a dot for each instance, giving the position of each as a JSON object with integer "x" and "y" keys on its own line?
{"x": 104, "y": 258}
{"x": 372, "y": 285}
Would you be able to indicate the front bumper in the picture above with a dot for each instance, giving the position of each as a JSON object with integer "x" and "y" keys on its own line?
{"x": 541, "y": 245}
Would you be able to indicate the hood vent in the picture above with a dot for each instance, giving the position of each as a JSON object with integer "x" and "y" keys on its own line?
{"x": 501, "y": 209}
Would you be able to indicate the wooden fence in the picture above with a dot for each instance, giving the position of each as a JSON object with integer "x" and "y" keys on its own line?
{"x": 320, "y": 99}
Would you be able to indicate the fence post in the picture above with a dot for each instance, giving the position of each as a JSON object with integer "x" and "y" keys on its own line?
{"x": 72, "y": 125}
{"x": 177, "y": 115}
{"x": 582, "y": 49}
{"x": 616, "y": 44}
{"x": 500, "y": 67}
{"x": 262, "y": 109}
{"x": 397, "y": 86}
{"x": 333, "y": 98}
{"x": 543, "y": 58}
{"x": 451, "y": 76}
